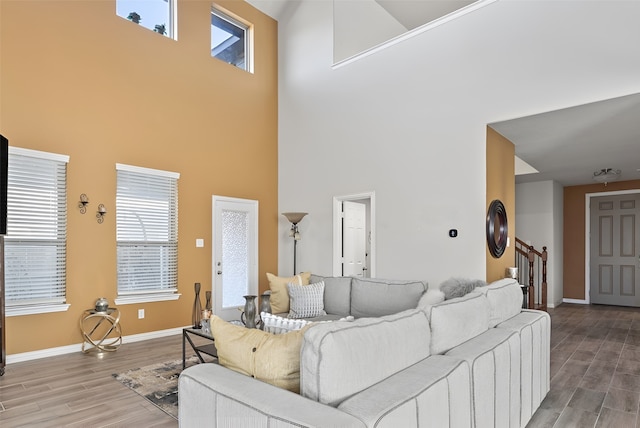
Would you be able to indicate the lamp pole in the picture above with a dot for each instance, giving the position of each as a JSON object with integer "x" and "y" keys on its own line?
{"x": 294, "y": 219}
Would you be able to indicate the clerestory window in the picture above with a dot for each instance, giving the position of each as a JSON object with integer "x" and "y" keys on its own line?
{"x": 156, "y": 15}
{"x": 231, "y": 39}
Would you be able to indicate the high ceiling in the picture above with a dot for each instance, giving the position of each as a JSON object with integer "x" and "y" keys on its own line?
{"x": 566, "y": 145}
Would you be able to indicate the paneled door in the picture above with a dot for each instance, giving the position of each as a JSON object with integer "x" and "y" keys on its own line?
{"x": 615, "y": 250}
{"x": 354, "y": 239}
{"x": 234, "y": 255}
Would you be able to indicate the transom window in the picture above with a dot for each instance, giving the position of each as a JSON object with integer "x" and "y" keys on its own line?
{"x": 36, "y": 241}
{"x": 146, "y": 234}
{"x": 155, "y": 15}
{"x": 231, "y": 39}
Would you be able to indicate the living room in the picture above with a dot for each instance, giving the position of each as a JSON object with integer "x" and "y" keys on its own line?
{"x": 102, "y": 97}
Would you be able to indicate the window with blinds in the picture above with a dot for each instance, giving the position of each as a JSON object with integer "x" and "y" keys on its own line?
{"x": 146, "y": 233}
{"x": 36, "y": 240}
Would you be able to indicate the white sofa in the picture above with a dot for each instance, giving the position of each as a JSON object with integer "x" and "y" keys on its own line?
{"x": 474, "y": 361}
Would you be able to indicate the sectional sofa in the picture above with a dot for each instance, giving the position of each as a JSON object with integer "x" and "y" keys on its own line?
{"x": 473, "y": 361}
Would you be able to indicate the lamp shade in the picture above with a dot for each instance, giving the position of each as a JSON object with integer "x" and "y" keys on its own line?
{"x": 294, "y": 218}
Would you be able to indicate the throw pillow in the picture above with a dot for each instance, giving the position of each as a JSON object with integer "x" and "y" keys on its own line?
{"x": 278, "y": 325}
{"x": 306, "y": 301}
{"x": 431, "y": 297}
{"x": 274, "y": 359}
{"x": 458, "y": 287}
{"x": 279, "y": 294}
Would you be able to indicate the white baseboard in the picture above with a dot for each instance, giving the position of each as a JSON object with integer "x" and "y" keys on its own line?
{"x": 69, "y": 349}
{"x": 576, "y": 301}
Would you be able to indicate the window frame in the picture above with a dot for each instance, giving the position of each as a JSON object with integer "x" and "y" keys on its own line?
{"x": 125, "y": 297}
{"x": 172, "y": 24}
{"x": 245, "y": 26}
{"x": 43, "y": 307}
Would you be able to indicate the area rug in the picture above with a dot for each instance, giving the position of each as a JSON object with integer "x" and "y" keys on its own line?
{"x": 158, "y": 383}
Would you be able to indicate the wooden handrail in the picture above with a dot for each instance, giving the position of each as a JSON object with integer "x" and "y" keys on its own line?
{"x": 529, "y": 253}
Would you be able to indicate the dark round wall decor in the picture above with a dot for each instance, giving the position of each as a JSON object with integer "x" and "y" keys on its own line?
{"x": 497, "y": 229}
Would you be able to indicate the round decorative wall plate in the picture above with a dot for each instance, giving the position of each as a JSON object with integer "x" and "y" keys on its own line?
{"x": 497, "y": 228}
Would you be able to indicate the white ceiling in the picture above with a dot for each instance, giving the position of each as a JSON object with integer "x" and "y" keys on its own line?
{"x": 566, "y": 145}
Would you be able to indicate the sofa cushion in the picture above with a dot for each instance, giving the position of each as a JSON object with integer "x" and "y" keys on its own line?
{"x": 457, "y": 320}
{"x": 337, "y": 294}
{"x": 279, "y": 294}
{"x": 379, "y": 297}
{"x": 306, "y": 301}
{"x": 274, "y": 359}
{"x": 339, "y": 359}
{"x": 505, "y": 299}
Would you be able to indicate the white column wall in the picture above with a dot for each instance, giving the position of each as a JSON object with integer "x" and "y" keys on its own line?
{"x": 539, "y": 221}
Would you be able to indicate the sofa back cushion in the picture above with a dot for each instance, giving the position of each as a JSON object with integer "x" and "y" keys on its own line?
{"x": 379, "y": 297}
{"x": 339, "y": 359}
{"x": 337, "y": 294}
{"x": 457, "y": 320}
{"x": 505, "y": 300}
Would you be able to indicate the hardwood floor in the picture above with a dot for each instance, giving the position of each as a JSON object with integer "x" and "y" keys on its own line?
{"x": 595, "y": 379}
{"x": 595, "y": 368}
{"x": 77, "y": 390}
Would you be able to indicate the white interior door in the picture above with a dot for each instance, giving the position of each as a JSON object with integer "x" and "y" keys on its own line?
{"x": 368, "y": 242}
{"x": 234, "y": 255}
{"x": 354, "y": 238}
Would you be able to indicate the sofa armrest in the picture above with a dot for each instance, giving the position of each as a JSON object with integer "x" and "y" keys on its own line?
{"x": 213, "y": 396}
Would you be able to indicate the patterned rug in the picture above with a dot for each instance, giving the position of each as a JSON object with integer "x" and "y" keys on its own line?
{"x": 157, "y": 383}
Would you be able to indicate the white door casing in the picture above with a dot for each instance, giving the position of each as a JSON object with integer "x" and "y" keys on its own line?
{"x": 369, "y": 200}
{"x": 234, "y": 254}
{"x": 354, "y": 239}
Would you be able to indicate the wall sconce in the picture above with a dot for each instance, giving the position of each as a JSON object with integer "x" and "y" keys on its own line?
{"x": 101, "y": 212}
{"x": 294, "y": 218}
{"x": 84, "y": 201}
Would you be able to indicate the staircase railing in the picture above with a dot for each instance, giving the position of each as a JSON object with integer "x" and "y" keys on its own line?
{"x": 532, "y": 266}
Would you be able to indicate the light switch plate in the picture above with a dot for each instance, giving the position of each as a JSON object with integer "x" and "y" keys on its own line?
{"x": 199, "y": 243}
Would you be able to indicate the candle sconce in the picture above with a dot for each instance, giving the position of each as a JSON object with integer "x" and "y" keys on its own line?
{"x": 82, "y": 204}
{"x": 101, "y": 212}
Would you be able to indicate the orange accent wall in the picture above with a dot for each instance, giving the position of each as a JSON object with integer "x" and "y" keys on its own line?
{"x": 76, "y": 79}
{"x": 574, "y": 233}
{"x": 501, "y": 185}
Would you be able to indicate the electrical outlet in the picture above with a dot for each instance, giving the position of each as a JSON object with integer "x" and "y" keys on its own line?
{"x": 140, "y": 314}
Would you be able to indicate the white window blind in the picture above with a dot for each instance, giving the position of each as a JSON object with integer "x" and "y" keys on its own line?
{"x": 146, "y": 230}
{"x": 35, "y": 245}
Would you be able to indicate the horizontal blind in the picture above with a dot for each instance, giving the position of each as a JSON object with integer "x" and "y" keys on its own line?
{"x": 146, "y": 231}
{"x": 35, "y": 245}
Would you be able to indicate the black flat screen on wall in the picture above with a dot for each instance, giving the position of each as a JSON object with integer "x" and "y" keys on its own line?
{"x": 4, "y": 163}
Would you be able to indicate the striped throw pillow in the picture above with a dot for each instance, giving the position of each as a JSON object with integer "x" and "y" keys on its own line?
{"x": 306, "y": 301}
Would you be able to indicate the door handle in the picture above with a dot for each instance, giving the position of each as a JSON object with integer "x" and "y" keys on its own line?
{"x": 219, "y": 272}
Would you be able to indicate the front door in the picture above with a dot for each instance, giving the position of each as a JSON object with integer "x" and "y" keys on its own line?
{"x": 615, "y": 250}
{"x": 235, "y": 254}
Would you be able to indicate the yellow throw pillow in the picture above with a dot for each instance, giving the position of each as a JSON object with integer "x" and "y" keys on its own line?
{"x": 271, "y": 358}
{"x": 279, "y": 294}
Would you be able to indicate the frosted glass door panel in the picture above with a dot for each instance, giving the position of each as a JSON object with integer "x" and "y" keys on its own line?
{"x": 235, "y": 258}
{"x": 235, "y": 254}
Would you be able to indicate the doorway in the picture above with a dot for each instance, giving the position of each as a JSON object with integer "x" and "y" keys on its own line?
{"x": 234, "y": 254}
{"x": 354, "y": 243}
{"x": 613, "y": 276}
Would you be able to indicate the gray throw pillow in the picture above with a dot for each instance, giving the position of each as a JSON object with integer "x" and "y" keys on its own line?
{"x": 458, "y": 287}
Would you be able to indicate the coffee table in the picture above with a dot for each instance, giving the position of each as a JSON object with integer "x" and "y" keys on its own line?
{"x": 208, "y": 348}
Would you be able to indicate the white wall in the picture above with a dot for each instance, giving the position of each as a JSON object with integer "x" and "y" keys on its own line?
{"x": 539, "y": 222}
{"x": 409, "y": 122}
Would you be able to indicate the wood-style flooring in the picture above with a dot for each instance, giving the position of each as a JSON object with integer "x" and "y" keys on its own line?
{"x": 595, "y": 369}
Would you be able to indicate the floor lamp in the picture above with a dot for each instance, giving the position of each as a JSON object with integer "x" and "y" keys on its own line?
{"x": 294, "y": 219}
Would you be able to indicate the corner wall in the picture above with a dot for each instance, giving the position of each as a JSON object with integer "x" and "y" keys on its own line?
{"x": 501, "y": 185}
